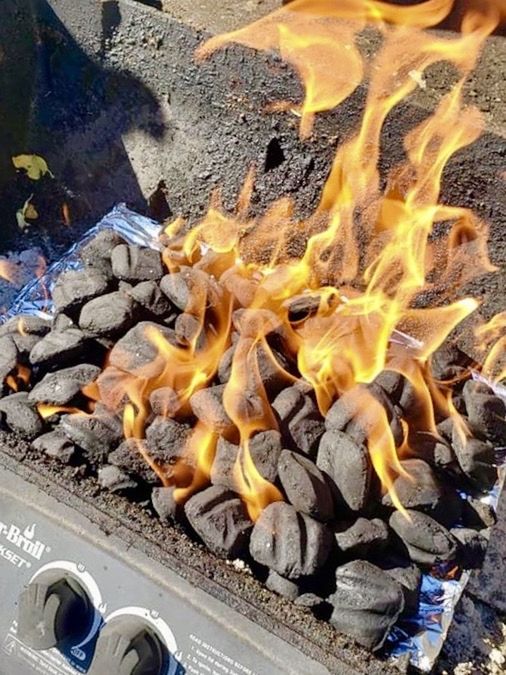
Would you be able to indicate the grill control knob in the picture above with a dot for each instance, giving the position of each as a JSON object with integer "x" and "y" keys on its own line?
{"x": 53, "y": 610}
{"x": 128, "y": 646}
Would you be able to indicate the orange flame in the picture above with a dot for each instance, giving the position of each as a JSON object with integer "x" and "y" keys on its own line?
{"x": 491, "y": 339}
{"x": 46, "y": 410}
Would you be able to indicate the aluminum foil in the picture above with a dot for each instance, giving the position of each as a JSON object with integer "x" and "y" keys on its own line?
{"x": 419, "y": 637}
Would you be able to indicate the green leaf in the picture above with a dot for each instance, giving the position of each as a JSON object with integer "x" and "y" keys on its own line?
{"x": 35, "y": 166}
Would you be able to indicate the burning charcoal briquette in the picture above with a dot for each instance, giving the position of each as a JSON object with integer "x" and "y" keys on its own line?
{"x": 301, "y": 307}
{"x": 427, "y": 541}
{"x": 8, "y": 356}
{"x": 288, "y": 542}
{"x": 20, "y": 415}
{"x": 264, "y": 448}
{"x": 191, "y": 289}
{"x": 137, "y": 353}
{"x": 448, "y": 362}
{"x": 74, "y": 288}
{"x": 128, "y": 456}
{"x": 392, "y": 384}
{"x": 348, "y": 466}
{"x": 433, "y": 450}
{"x": 165, "y": 505}
{"x": 366, "y": 603}
{"x": 59, "y": 347}
{"x": 476, "y": 459}
{"x": 207, "y": 406}
{"x": 189, "y": 330}
{"x": 109, "y": 315}
{"x": 220, "y": 519}
{"x": 271, "y": 365}
{"x": 114, "y": 479}
{"x": 165, "y": 402}
{"x": 55, "y": 445}
{"x": 486, "y": 412}
{"x": 410, "y": 579}
{"x": 60, "y": 387}
{"x": 363, "y": 538}
{"x": 306, "y": 427}
{"x": 166, "y": 440}
{"x": 472, "y": 547}
{"x": 282, "y": 586}
{"x": 97, "y": 252}
{"x": 96, "y": 434}
{"x": 135, "y": 263}
{"x": 150, "y": 297}
{"x": 420, "y": 489}
{"x": 305, "y": 486}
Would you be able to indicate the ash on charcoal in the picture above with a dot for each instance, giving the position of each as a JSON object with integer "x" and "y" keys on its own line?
{"x": 348, "y": 467}
{"x": 220, "y": 519}
{"x": 167, "y": 441}
{"x": 8, "y": 356}
{"x": 165, "y": 505}
{"x": 76, "y": 287}
{"x": 282, "y": 586}
{"x": 420, "y": 489}
{"x": 55, "y": 445}
{"x": 410, "y": 579}
{"x": 305, "y": 486}
{"x": 114, "y": 479}
{"x": 448, "y": 363}
{"x": 97, "y": 252}
{"x": 96, "y": 434}
{"x": 477, "y": 514}
{"x": 127, "y": 456}
{"x": 366, "y": 603}
{"x": 472, "y": 547}
{"x": 486, "y": 412}
{"x": 27, "y": 324}
{"x": 59, "y": 347}
{"x": 288, "y": 542}
{"x": 136, "y": 263}
{"x": 60, "y": 387}
{"x": 363, "y": 538}
{"x": 164, "y": 402}
{"x": 207, "y": 406}
{"x": 427, "y": 541}
{"x": 149, "y": 296}
{"x": 109, "y": 315}
{"x": 476, "y": 459}
{"x": 136, "y": 353}
{"x": 264, "y": 448}
{"x": 20, "y": 415}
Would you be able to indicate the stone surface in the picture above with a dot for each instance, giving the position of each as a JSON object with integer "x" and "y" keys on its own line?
{"x": 290, "y": 543}
{"x": 348, "y": 466}
{"x": 366, "y": 603}
{"x": 220, "y": 519}
{"x": 305, "y": 486}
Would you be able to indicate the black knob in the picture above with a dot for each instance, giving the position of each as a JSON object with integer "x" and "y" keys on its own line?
{"x": 54, "y": 609}
{"x": 128, "y": 646}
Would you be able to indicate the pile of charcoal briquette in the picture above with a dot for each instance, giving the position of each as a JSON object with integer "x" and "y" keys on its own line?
{"x": 336, "y": 545}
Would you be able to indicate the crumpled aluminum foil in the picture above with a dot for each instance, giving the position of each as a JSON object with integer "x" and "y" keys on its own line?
{"x": 421, "y": 636}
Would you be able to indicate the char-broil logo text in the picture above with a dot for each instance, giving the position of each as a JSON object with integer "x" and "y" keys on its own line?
{"x": 24, "y": 540}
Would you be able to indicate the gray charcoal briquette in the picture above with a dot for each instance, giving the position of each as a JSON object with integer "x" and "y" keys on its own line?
{"x": 136, "y": 263}
{"x": 305, "y": 486}
{"x": 110, "y": 314}
{"x": 427, "y": 541}
{"x": 21, "y": 416}
{"x": 60, "y": 387}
